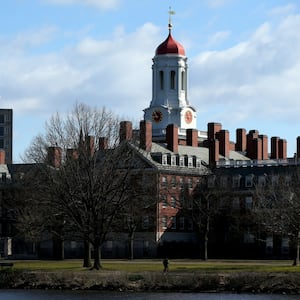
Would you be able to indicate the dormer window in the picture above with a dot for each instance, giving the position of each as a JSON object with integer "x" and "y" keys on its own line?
{"x": 164, "y": 159}
{"x": 181, "y": 161}
{"x": 173, "y": 160}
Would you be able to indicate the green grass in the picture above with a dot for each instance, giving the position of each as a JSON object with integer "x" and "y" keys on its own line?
{"x": 178, "y": 266}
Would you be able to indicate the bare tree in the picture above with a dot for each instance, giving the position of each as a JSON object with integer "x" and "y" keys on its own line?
{"x": 87, "y": 174}
{"x": 278, "y": 206}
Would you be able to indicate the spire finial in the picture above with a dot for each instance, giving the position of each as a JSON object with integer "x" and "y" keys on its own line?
{"x": 171, "y": 12}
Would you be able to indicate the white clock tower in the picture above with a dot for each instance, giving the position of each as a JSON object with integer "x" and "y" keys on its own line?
{"x": 169, "y": 104}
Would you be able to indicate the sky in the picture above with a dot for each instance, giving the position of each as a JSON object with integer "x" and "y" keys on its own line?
{"x": 243, "y": 61}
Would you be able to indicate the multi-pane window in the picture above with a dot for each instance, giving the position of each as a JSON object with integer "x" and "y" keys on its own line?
{"x": 181, "y": 182}
{"x": 262, "y": 179}
{"x": 173, "y": 181}
{"x": 1, "y": 143}
{"x": 1, "y": 119}
{"x": 173, "y": 160}
{"x": 236, "y": 179}
{"x": 211, "y": 181}
{"x": 248, "y": 202}
{"x": 190, "y": 183}
{"x": 146, "y": 222}
{"x": 173, "y": 202}
{"x": 164, "y": 223}
{"x": 173, "y": 222}
{"x": 164, "y": 200}
{"x": 249, "y": 180}
{"x": 181, "y": 161}
{"x": 164, "y": 159}
{"x": 164, "y": 181}
{"x": 1, "y": 131}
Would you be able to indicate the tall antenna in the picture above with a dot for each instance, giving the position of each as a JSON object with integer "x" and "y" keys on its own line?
{"x": 171, "y": 12}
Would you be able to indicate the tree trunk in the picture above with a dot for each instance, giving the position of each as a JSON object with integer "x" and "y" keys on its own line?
{"x": 97, "y": 256}
{"x": 205, "y": 257}
{"x": 131, "y": 244}
{"x": 297, "y": 248}
{"x": 87, "y": 254}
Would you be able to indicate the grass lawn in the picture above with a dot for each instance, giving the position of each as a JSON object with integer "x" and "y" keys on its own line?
{"x": 178, "y": 266}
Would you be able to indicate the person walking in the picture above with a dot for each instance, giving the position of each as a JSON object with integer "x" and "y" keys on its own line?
{"x": 166, "y": 265}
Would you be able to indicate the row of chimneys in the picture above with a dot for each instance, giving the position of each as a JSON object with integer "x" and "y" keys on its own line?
{"x": 251, "y": 144}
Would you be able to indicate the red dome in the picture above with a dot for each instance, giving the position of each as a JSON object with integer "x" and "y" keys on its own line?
{"x": 170, "y": 46}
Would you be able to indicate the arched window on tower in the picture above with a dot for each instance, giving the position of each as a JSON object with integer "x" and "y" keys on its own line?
{"x": 161, "y": 79}
{"x": 172, "y": 80}
{"x": 183, "y": 80}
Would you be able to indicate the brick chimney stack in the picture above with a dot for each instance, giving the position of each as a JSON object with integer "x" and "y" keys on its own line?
{"x": 275, "y": 147}
{"x": 2, "y": 156}
{"x": 224, "y": 143}
{"x": 103, "y": 143}
{"x": 172, "y": 138}
{"x": 192, "y": 137}
{"x": 298, "y": 147}
{"x": 241, "y": 140}
{"x": 125, "y": 131}
{"x": 213, "y": 152}
{"x": 146, "y": 135}
{"x": 265, "y": 151}
{"x": 212, "y": 129}
{"x": 54, "y": 156}
{"x": 282, "y": 149}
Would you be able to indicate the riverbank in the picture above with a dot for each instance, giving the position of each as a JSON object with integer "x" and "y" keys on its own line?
{"x": 240, "y": 282}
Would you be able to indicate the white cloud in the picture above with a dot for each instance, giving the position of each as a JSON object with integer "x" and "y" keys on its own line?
{"x": 100, "y": 4}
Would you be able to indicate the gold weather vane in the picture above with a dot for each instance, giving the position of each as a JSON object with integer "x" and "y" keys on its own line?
{"x": 171, "y": 12}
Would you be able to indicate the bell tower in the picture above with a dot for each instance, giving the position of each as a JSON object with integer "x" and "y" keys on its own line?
{"x": 169, "y": 104}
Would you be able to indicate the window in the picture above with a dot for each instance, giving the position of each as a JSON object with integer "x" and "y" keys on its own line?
{"x": 1, "y": 131}
{"x": 248, "y": 238}
{"x": 183, "y": 80}
{"x": 164, "y": 200}
{"x": 173, "y": 160}
{"x": 262, "y": 179}
{"x": 274, "y": 179}
{"x": 190, "y": 183}
{"x": 181, "y": 182}
{"x": 164, "y": 182}
{"x": 190, "y": 224}
{"x": 198, "y": 162}
{"x": 236, "y": 203}
{"x": 211, "y": 181}
{"x": 181, "y": 161}
{"x": 223, "y": 181}
{"x": 173, "y": 182}
{"x": 161, "y": 79}
{"x": 1, "y": 143}
{"x": 173, "y": 222}
{"x": 190, "y": 162}
{"x": 164, "y": 222}
{"x": 164, "y": 159}
{"x": 172, "y": 80}
{"x": 181, "y": 223}
{"x": 249, "y": 180}
{"x": 248, "y": 202}
{"x": 236, "y": 179}
{"x": 173, "y": 202}
{"x": 1, "y": 119}
{"x": 145, "y": 222}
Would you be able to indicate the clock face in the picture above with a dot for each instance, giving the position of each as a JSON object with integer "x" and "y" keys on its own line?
{"x": 188, "y": 116}
{"x": 157, "y": 116}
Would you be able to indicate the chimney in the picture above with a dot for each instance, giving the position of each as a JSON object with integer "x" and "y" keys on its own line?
{"x": 224, "y": 144}
{"x": 213, "y": 152}
{"x": 125, "y": 131}
{"x": 2, "y": 157}
{"x": 251, "y": 145}
{"x": 241, "y": 140}
{"x": 54, "y": 156}
{"x": 298, "y": 147}
{"x": 103, "y": 143}
{"x": 212, "y": 129}
{"x": 146, "y": 135}
{"x": 282, "y": 148}
{"x": 172, "y": 138}
{"x": 274, "y": 147}
{"x": 265, "y": 152}
{"x": 257, "y": 148}
{"x": 192, "y": 137}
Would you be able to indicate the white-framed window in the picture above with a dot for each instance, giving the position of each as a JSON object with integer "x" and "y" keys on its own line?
{"x": 190, "y": 183}
{"x": 164, "y": 181}
{"x": 164, "y": 222}
{"x": 173, "y": 160}
{"x": 173, "y": 182}
{"x": 164, "y": 159}
{"x": 173, "y": 202}
{"x": 190, "y": 162}
{"x": 164, "y": 200}
{"x": 181, "y": 161}
{"x": 181, "y": 182}
{"x": 198, "y": 162}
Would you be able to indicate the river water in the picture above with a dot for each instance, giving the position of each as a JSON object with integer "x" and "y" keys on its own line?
{"x": 92, "y": 295}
